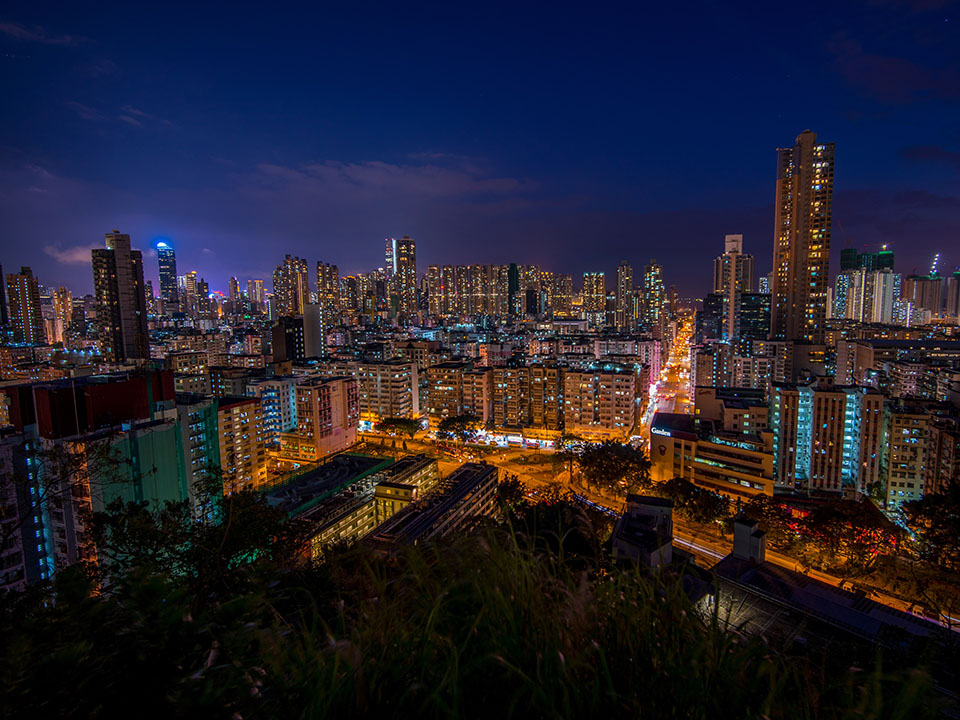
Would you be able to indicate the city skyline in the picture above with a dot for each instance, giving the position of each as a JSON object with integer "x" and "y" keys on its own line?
{"x": 129, "y": 138}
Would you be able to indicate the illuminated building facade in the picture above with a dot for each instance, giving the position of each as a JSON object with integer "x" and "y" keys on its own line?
{"x": 801, "y": 251}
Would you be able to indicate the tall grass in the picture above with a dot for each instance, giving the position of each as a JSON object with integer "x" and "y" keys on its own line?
{"x": 490, "y": 625}
{"x": 487, "y": 627}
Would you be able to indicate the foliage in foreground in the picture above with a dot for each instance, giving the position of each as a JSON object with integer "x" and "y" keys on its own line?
{"x": 499, "y": 623}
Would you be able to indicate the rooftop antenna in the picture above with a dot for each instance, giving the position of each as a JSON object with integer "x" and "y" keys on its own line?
{"x": 933, "y": 268}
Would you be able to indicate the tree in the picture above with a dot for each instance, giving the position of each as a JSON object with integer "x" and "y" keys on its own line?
{"x": 935, "y": 522}
{"x": 398, "y": 425}
{"x": 694, "y": 503}
{"x": 460, "y": 427}
{"x": 774, "y": 519}
{"x": 511, "y": 495}
{"x": 613, "y": 466}
{"x": 853, "y": 533}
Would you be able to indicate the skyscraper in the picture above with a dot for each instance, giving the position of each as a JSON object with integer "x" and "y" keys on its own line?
{"x": 732, "y": 276}
{"x": 291, "y": 286}
{"x": 3, "y": 301}
{"x": 328, "y": 290}
{"x": 624, "y": 312}
{"x": 255, "y": 294}
{"x": 653, "y": 298}
{"x": 390, "y": 257}
{"x": 406, "y": 282}
{"x": 594, "y": 292}
{"x": 404, "y": 258}
{"x": 62, "y": 313}
{"x": 801, "y": 249}
{"x": 168, "y": 273}
{"x": 233, "y": 293}
{"x": 23, "y": 294}
{"x": 121, "y": 303}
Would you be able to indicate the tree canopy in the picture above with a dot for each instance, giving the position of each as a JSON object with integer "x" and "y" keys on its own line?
{"x": 460, "y": 427}
{"x": 402, "y": 426}
{"x": 615, "y": 466}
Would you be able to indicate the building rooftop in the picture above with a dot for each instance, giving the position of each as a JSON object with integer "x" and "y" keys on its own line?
{"x": 301, "y": 493}
{"x": 419, "y": 520}
{"x": 781, "y": 594}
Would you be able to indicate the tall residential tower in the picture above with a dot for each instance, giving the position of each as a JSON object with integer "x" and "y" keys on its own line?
{"x": 23, "y": 294}
{"x": 121, "y": 303}
{"x": 801, "y": 249}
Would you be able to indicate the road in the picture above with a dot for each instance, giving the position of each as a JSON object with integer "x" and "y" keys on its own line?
{"x": 670, "y": 393}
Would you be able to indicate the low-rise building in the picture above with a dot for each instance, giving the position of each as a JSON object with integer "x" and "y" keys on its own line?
{"x": 735, "y": 465}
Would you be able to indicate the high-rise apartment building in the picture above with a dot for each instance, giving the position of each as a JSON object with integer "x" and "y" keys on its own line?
{"x": 278, "y": 399}
{"x": 801, "y": 249}
{"x": 62, "y": 313}
{"x": 653, "y": 298}
{"x": 925, "y": 292}
{"x": 732, "y": 276}
{"x": 870, "y": 295}
{"x": 255, "y": 294}
{"x": 291, "y": 286}
{"x": 121, "y": 302}
{"x": 951, "y": 295}
{"x": 167, "y": 260}
{"x": 233, "y": 294}
{"x": 242, "y": 455}
{"x": 23, "y": 295}
{"x": 594, "y": 293}
{"x": 3, "y": 300}
{"x": 405, "y": 274}
{"x": 826, "y": 438}
{"x": 328, "y": 292}
{"x": 528, "y": 396}
{"x": 328, "y": 411}
{"x": 599, "y": 404}
{"x": 624, "y": 312}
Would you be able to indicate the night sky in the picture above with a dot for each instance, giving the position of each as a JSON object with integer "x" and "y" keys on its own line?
{"x": 572, "y": 137}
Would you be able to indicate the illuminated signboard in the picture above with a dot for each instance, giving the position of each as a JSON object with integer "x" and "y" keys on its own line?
{"x": 659, "y": 431}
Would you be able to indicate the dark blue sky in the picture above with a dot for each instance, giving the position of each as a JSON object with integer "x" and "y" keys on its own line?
{"x": 570, "y": 136}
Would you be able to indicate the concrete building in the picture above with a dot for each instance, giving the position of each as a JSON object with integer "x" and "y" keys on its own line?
{"x": 801, "y": 248}
{"x": 732, "y": 277}
{"x": 291, "y": 287}
{"x": 735, "y": 409}
{"x": 599, "y": 404}
{"x": 643, "y": 534}
{"x": 278, "y": 400}
{"x": 328, "y": 411}
{"x": 736, "y": 465}
{"x": 23, "y": 298}
{"x": 243, "y": 458}
{"x": 528, "y": 396}
{"x": 456, "y": 388}
{"x": 121, "y": 300}
{"x": 826, "y": 438}
{"x": 468, "y": 493}
{"x": 406, "y": 481}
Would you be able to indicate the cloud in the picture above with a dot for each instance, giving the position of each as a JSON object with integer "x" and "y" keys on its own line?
{"x": 37, "y": 34}
{"x": 356, "y": 181}
{"x": 99, "y": 68}
{"x": 931, "y": 154}
{"x": 891, "y": 79}
{"x": 129, "y": 115}
{"x": 76, "y": 255}
{"x": 86, "y": 112}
